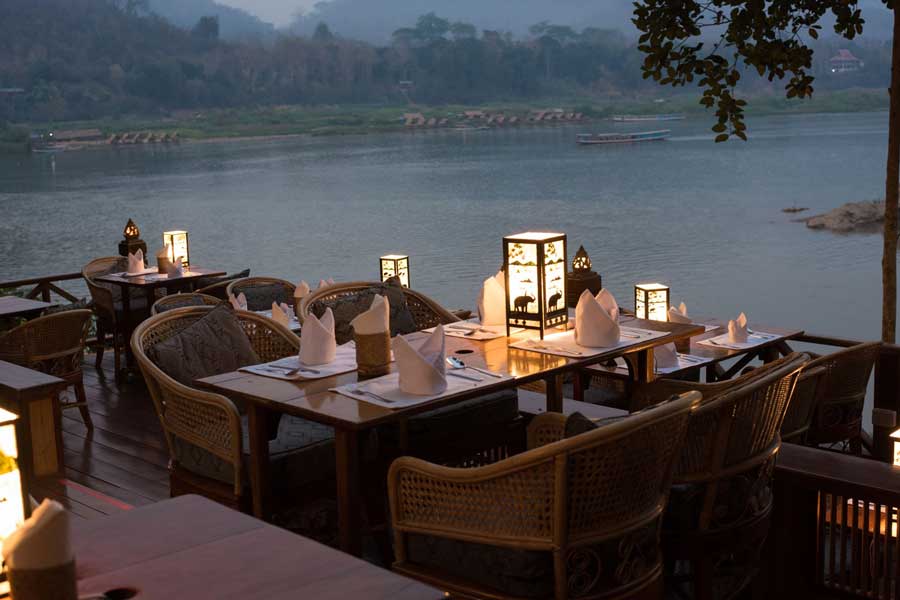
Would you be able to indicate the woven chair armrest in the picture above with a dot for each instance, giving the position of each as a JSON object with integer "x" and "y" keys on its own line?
{"x": 102, "y": 298}
{"x": 545, "y": 429}
{"x": 660, "y": 390}
{"x": 502, "y": 503}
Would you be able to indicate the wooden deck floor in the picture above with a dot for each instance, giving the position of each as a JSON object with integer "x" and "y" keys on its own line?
{"x": 122, "y": 463}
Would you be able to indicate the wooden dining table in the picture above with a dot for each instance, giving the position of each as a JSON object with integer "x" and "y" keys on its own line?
{"x": 13, "y": 306}
{"x": 313, "y": 400}
{"x": 191, "y": 547}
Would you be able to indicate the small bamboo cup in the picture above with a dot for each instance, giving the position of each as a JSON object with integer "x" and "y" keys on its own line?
{"x": 373, "y": 354}
{"x": 54, "y": 583}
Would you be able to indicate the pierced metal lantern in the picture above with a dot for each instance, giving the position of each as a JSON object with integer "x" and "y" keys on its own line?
{"x": 395, "y": 265}
{"x": 14, "y": 503}
{"x": 535, "y": 266}
{"x": 177, "y": 241}
{"x": 582, "y": 278}
{"x": 132, "y": 242}
{"x": 651, "y": 301}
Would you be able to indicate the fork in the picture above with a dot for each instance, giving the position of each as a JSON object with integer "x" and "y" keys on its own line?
{"x": 361, "y": 392}
{"x": 540, "y": 346}
{"x": 294, "y": 371}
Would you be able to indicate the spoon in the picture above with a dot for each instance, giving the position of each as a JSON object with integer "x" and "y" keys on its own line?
{"x": 458, "y": 364}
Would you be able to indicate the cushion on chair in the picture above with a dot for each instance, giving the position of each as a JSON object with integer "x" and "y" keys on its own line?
{"x": 180, "y": 301}
{"x": 202, "y": 282}
{"x": 524, "y": 573}
{"x": 346, "y": 308}
{"x": 302, "y": 452}
{"x": 261, "y": 296}
{"x": 214, "y": 344}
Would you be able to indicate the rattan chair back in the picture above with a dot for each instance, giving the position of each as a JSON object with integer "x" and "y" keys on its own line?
{"x": 582, "y": 499}
{"x": 842, "y": 394}
{"x": 286, "y": 290}
{"x": 209, "y": 421}
{"x": 173, "y": 301}
{"x": 802, "y": 408}
{"x": 425, "y": 311}
{"x": 104, "y": 295}
{"x": 52, "y": 344}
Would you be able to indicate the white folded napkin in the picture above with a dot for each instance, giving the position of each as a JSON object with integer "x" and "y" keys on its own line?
{"x": 666, "y": 356}
{"x": 375, "y": 320}
{"x": 596, "y": 326}
{"x": 325, "y": 282}
{"x": 317, "y": 342}
{"x": 422, "y": 370}
{"x": 679, "y": 314}
{"x": 136, "y": 262}
{"x": 281, "y": 313}
{"x": 42, "y": 541}
{"x": 239, "y": 303}
{"x": 301, "y": 291}
{"x": 738, "y": 331}
{"x": 175, "y": 269}
{"x": 492, "y": 300}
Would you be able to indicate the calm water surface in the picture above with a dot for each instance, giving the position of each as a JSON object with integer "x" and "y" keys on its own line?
{"x": 704, "y": 218}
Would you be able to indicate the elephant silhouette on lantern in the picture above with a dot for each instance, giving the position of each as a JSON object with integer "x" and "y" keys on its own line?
{"x": 553, "y": 301}
{"x": 521, "y": 303}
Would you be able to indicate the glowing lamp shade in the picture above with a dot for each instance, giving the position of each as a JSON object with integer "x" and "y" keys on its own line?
{"x": 13, "y": 497}
{"x": 651, "y": 301}
{"x": 178, "y": 246}
{"x": 395, "y": 265}
{"x": 535, "y": 266}
{"x": 896, "y": 437}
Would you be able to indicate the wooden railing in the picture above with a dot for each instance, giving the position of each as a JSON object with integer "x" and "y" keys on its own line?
{"x": 44, "y": 287}
{"x": 834, "y": 529}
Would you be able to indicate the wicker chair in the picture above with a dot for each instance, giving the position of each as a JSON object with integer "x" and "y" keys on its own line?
{"x": 261, "y": 292}
{"x": 842, "y": 393}
{"x": 425, "y": 311}
{"x": 173, "y": 301}
{"x": 721, "y": 503}
{"x": 802, "y": 409}
{"x": 211, "y": 422}
{"x": 217, "y": 290}
{"x": 53, "y": 344}
{"x": 581, "y": 515}
{"x": 107, "y": 306}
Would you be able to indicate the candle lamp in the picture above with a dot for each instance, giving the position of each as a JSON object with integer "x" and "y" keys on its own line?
{"x": 132, "y": 242}
{"x": 535, "y": 266}
{"x": 177, "y": 241}
{"x": 651, "y": 301}
{"x": 395, "y": 265}
{"x": 581, "y": 278}
{"x": 14, "y": 504}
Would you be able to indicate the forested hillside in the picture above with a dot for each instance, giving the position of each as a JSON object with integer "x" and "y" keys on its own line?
{"x": 84, "y": 59}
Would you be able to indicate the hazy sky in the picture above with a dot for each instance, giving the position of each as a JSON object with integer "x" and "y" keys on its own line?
{"x": 278, "y": 12}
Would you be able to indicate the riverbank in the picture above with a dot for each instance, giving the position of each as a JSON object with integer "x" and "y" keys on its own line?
{"x": 282, "y": 121}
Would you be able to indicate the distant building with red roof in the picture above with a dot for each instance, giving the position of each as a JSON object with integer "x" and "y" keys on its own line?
{"x": 845, "y": 62}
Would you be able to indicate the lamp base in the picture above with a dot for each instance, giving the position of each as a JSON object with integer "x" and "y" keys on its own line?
{"x": 576, "y": 283}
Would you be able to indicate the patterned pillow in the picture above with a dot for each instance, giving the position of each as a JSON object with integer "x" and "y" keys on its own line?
{"x": 214, "y": 344}
{"x": 261, "y": 297}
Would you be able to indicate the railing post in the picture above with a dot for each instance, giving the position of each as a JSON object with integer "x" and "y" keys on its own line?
{"x": 887, "y": 394}
{"x": 45, "y": 292}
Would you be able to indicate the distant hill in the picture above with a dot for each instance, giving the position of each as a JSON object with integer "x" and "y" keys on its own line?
{"x": 234, "y": 23}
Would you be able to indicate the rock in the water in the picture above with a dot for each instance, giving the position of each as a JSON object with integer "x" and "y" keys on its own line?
{"x": 864, "y": 217}
{"x": 794, "y": 209}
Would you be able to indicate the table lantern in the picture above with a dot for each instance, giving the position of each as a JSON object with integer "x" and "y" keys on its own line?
{"x": 178, "y": 246}
{"x": 14, "y": 505}
{"x": 132, "y": 242}
{"x": 896, "y": 437}
{"x": 581, "y": 278}
{"x": 535, "y": 266}
{"x": 651, "y": 301}
{"x": 395, "y": 265}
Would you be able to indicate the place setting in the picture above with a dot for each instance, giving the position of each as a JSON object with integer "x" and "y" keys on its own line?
{"x": 490, "y": 324}
{"x": 739, "y": 336}
{"x": 679, "y": 314}
{"x": 597, "y": 330}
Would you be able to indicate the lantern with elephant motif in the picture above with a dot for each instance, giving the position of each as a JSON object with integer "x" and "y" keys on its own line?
{"x": 535, "y": 265}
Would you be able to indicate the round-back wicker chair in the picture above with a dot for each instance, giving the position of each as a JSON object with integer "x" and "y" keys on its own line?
{"x": 802, "y": 409}
{"x": 575, "y": 517}
{"x": 173, "y": 301}
{"x": 205, "y": 420}
{"x": 107, "y": 305}
{"x": 53, "y": 344}
{"x": 425, "y": 312}
{"x": 842, "y": 394}
{"x": 721, "y": 503}
{"x": 261, "y": 292}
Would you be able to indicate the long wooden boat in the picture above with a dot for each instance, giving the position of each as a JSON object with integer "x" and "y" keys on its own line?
{"x": 622, "y": 138}
{"x": 637, "y": 118}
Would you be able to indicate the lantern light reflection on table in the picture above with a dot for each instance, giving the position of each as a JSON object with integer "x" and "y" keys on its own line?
{"x": 395, "y": 265}
{"x": 13, "y": 496}
{"x": 178, "y": 246}
{"x": 535, "y": 266}
{"x": 651, "y": 301}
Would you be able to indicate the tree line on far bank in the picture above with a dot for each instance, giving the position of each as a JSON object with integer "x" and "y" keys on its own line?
{"x": 87, "y": 59}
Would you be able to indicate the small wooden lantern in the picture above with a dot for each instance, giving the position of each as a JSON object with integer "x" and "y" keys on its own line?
{"x": 395, "y": 265}
{"x": 582, "y": 278}
{"x": 535, "y": 266}
{"x": 896, "y": 437}
{"x": 651, "y": 301}
{"x": 132, "y": 242}
{"x": 178, "y": 246}
{"x": 14, "y": 504}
